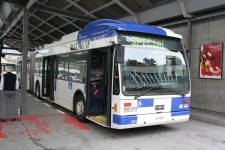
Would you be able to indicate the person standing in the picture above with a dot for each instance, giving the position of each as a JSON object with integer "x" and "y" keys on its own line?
{"x": 9, "y": 84}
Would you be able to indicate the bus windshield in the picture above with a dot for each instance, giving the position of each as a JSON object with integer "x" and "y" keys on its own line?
{"x": 154, "y": 70}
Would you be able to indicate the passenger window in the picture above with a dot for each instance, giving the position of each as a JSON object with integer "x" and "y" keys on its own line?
{"x": 77, "y": 67}
{"x": 38, "y": 67}
{"x": 62, "y": 66}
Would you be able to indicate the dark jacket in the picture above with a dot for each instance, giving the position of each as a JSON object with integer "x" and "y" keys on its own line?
{"x": 9, "y": 82}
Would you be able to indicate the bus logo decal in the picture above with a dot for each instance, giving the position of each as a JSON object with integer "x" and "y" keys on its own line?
{"x": 70, "y": 85}
{"x": 139, "y": 103}
{"x": 80, "y": 45}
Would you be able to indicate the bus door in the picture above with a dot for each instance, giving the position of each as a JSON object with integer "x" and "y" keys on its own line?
{"x": 96, "y": 88}
{"x": 48, "y": 77}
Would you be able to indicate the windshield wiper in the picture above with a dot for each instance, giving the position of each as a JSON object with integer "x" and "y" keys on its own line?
{"x": 174, "y": 92}
{"x": 174, "y": 50}
{"x": 135, "y": 97}
{"x": 182, "y": 94}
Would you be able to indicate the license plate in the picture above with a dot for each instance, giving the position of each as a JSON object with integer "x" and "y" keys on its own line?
{"x": 159, "y": 107}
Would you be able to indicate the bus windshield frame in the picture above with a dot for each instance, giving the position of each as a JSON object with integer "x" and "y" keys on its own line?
{"x": 153, "y": 66}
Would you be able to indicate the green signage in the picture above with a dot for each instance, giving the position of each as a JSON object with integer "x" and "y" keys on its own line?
{"x": 146, "y": 41}
{"x": 151, "y": 40}
{"x": 141, "y": 40}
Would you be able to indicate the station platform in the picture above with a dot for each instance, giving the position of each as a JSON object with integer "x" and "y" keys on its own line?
{"x": 208, "y": 116}
{"x": 36, "y": 107}
{"x": 48, "y": 126}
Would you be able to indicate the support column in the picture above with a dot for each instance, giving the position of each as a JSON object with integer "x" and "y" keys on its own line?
{"x": 189, "y": 34}
{"x": 1, "y": 47}
{"x": 24, "y": 62}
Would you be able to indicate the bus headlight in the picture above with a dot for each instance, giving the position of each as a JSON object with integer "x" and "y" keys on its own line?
{"x": 133, "y": 109}
{"x": 185, "y": 105}
{"x": 127, "y": 109}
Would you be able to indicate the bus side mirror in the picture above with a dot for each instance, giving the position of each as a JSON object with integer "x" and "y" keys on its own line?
{"x": 119, "y": 56}
{"x": 188, "y": 54}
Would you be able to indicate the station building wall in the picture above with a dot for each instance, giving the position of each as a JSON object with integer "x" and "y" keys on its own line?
{"x": 207, "y": 94}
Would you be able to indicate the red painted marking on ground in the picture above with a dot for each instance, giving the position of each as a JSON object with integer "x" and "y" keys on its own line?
{"x": 35, "y": 125}
{"x": 2, "y": 135}
{"x": 37, "y": 122}
{"x": 71, "y": 120}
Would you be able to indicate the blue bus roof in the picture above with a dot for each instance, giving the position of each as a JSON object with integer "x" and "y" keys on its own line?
{"x": 106, "y": 25}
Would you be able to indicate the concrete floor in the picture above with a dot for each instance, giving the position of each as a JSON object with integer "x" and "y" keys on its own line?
{"x": 47, "y": 128}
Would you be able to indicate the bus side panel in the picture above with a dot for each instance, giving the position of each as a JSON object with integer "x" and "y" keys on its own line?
{"x": 64, "y": 92}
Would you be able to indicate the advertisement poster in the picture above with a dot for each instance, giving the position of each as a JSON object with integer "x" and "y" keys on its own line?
{"x": 211, "y": 61}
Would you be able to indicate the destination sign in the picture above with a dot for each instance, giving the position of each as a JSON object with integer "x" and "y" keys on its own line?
{"x": 151, "y": 40}
{"x": 141, "y": 40}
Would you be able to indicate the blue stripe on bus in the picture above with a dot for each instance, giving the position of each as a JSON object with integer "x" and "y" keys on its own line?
{"x": 124, "y": 120}
{"x": 145, "y": 103}
{"x": 180, "y": 113}
{"x": 177, "y": 101}
{"x": 106, "y": 25}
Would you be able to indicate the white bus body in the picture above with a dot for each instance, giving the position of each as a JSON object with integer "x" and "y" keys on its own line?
{"x": 117, "y": 74}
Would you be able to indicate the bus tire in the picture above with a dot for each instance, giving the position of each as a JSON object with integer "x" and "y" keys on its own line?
{"x": 37, "y": 91}
{"x": 80, "y": 108}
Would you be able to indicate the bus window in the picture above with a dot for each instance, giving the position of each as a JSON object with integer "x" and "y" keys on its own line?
{"x": 77, "y": 67}
{"x": 38, "y": 67}
{"x": 63, "y": 65}
{"x": 39, "y": 71}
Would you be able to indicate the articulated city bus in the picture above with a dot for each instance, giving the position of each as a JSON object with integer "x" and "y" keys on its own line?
{"x": 117, "y": 74}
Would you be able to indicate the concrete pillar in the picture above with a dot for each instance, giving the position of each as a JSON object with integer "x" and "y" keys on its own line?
{"x": 1, "y": 46}
{"x": 24, "y": 62}
{"x": 189, "y": 35}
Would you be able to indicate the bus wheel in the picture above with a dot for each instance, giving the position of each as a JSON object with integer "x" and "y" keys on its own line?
{"x": 80, "y": 108}
{"x": 37, "y": 91}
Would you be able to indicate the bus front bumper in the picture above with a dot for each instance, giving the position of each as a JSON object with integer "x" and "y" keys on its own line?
{"x": 132, "y": 121}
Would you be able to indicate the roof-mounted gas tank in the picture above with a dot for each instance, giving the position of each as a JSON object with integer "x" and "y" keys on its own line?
{"x": 107, "y": 25}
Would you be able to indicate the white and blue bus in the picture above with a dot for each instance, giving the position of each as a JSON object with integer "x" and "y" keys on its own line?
{"x": 117, "y": 74}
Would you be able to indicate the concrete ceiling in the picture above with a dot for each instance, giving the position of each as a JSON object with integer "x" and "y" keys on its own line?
{"x": 49, "y": 20}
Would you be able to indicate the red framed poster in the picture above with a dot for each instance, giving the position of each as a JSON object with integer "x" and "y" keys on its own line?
{"x": 211, "y": 61}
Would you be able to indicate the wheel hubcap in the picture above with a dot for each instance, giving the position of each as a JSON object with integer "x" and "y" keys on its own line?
{"x": 80, "y": 108}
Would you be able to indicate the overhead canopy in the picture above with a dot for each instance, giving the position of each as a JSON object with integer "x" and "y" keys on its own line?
{"x": 49, "y": 20}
